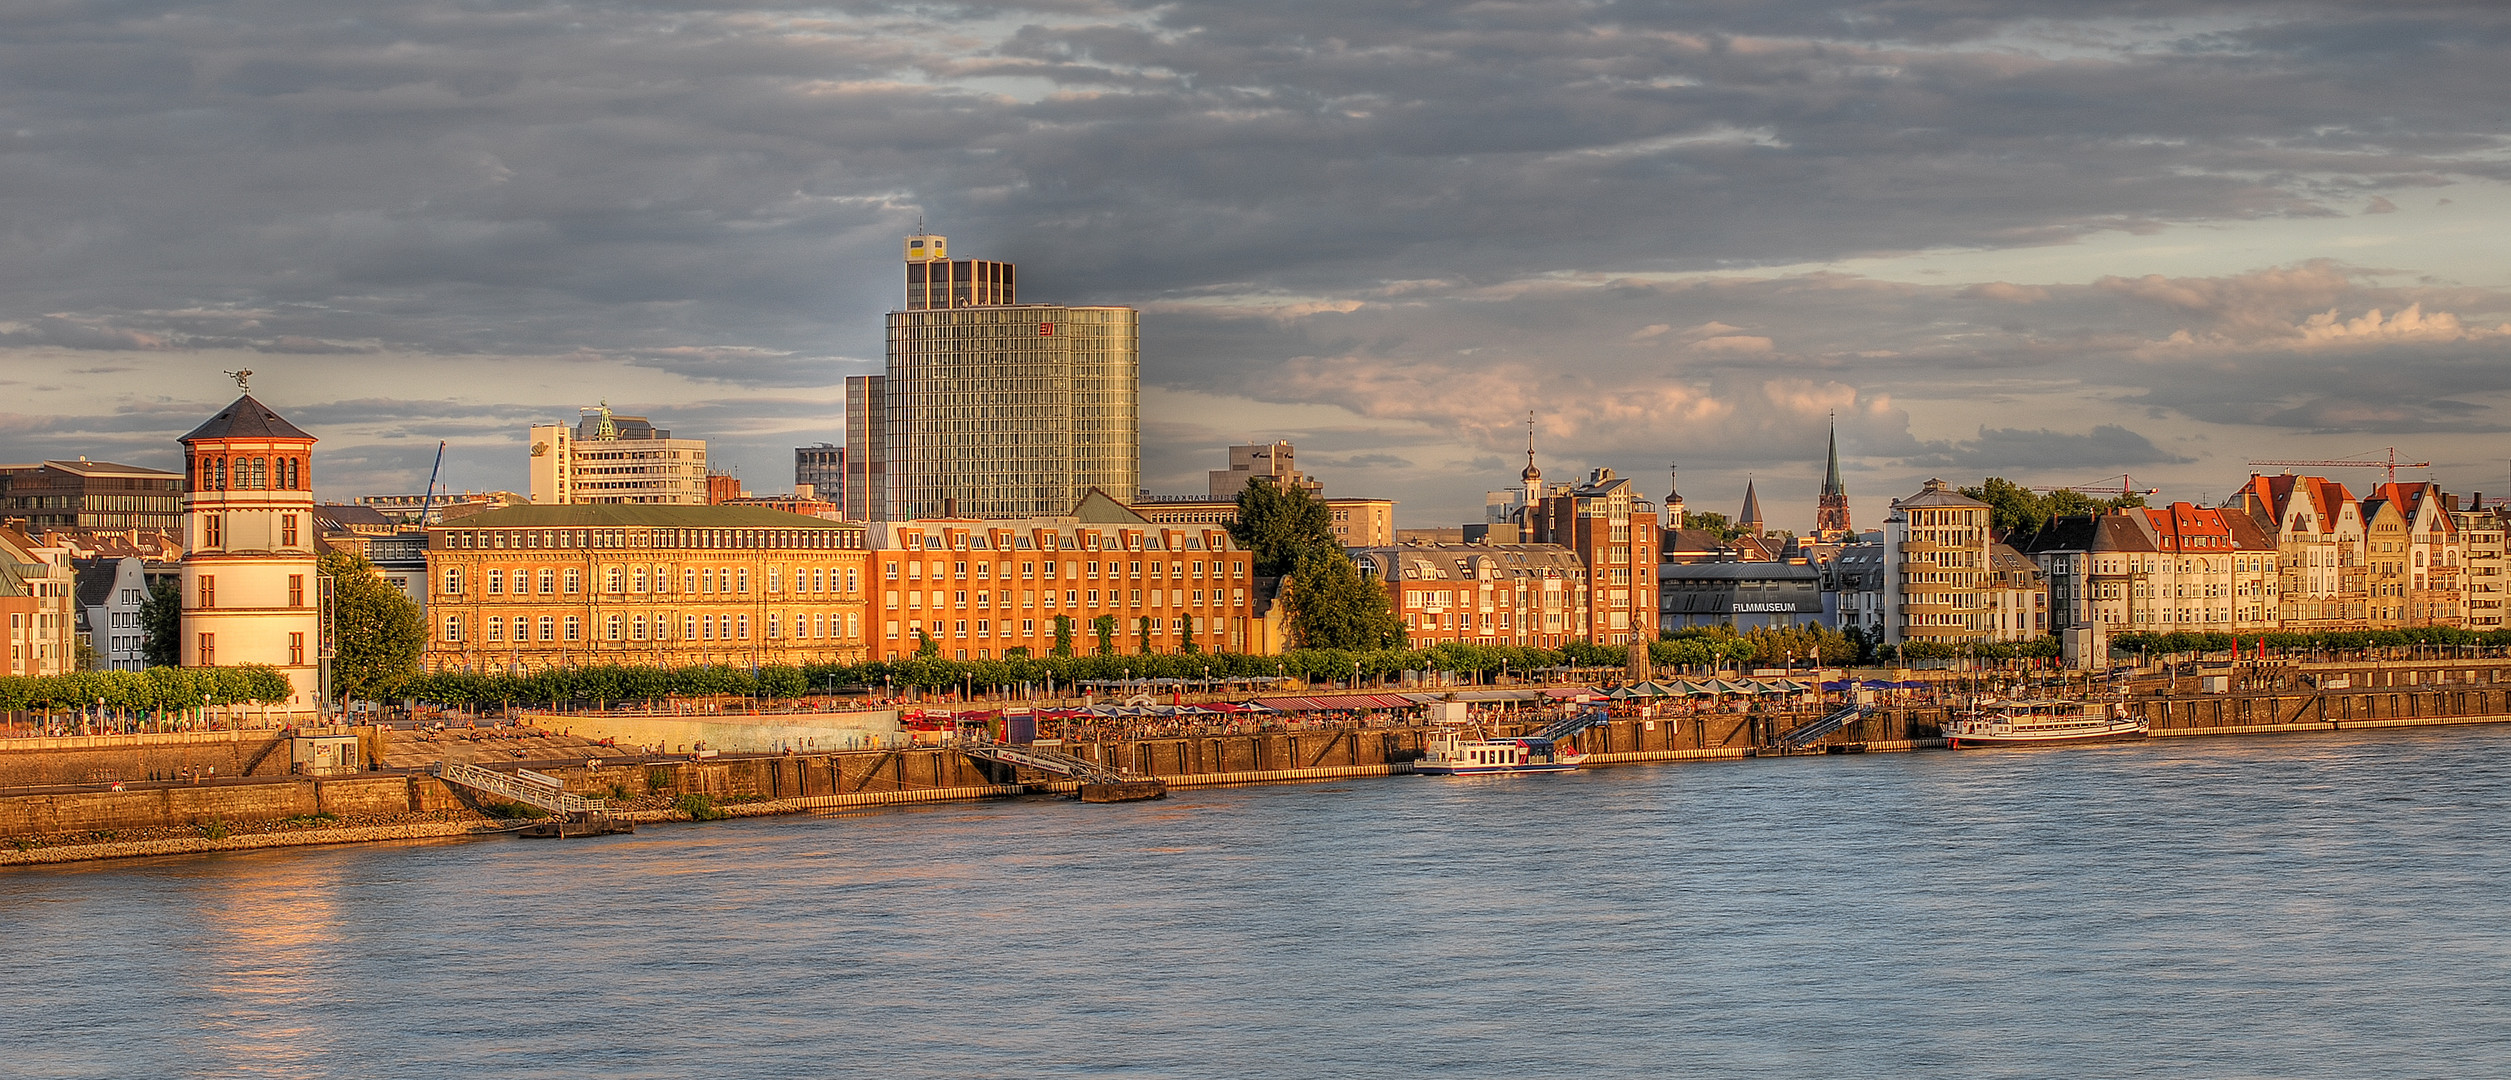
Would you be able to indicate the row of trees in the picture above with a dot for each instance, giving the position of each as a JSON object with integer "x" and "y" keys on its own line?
{"x": 158, "y": 688}
{"x": 610, "y": 684}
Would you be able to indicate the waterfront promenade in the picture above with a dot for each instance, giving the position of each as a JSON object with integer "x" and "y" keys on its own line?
{"x": 96, "y": 796}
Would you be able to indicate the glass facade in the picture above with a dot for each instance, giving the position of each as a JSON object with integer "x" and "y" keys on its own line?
{"x": 1009, "y": 411}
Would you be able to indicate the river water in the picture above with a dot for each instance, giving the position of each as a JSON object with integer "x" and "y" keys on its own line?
{"x": 2290, "y": 906}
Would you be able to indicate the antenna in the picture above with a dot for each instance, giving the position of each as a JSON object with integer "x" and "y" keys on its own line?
{"x": 242, "y": 377}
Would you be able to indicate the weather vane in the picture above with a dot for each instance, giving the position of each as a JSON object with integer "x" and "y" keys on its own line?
{"x": 242, "y": 377}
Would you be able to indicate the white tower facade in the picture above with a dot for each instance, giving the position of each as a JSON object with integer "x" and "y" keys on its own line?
{"x": 249, "y": 589}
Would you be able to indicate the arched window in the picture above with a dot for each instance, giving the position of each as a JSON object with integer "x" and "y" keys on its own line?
{"x": 611, "y": 630}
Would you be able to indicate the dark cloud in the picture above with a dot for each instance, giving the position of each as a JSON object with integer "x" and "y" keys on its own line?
{"x": 1434, "y": 216}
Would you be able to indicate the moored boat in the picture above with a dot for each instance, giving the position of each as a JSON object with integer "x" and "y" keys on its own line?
{"x": 2044, "y": 723}
{"x": 1455, "y": 753}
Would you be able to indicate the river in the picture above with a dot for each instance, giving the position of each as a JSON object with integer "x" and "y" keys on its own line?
{"x": 2280, "y": 906}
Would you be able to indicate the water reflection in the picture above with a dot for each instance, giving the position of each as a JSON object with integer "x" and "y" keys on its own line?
{"x": 2303, "y": 906}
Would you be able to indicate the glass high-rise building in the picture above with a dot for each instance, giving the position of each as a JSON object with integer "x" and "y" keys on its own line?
{"x": 993, "y": 408}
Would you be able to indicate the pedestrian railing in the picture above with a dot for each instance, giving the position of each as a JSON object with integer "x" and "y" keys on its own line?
{"x": 514, "y": 788}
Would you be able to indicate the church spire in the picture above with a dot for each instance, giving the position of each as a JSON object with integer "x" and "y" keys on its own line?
{"x": 1831, "y": 524}
{"x": 1831, "y": 476}
{"x": 1750, "y": 520}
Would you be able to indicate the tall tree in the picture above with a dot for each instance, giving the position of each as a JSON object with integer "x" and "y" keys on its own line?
{"x": 1278, "y": 524}
{"x": 1334, "y": 606}
{"x": 377, "y": 630}
{"x": 2015, "y": 509}
{"x": 161, "y": 617}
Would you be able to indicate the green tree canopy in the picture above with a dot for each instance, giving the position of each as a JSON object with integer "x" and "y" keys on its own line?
{"x": 1334, "y": 606}
{"x": 376, "y": 629}
{"x": 161, "y": 615}
{"x": 2015, "y": 509}
{"x": 1279, "y": 524}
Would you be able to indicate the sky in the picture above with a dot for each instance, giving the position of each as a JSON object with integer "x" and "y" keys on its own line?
{"x": 2055, "y": 242}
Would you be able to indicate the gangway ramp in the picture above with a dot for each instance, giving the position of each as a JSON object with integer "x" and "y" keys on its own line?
{"x": 544, "y": 794}
{"x": 1098, "y": 782}
{"x": 1798, "y": 737}
{"x": 1045, "y": 761}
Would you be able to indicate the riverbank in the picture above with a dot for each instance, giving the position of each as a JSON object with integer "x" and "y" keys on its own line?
{"x": 89, "y": 822}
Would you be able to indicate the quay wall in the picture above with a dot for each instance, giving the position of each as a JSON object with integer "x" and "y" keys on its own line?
{"x": 2260, "y": 701}
{"x": 105, "y": 759}
{"x": 733, "y": 733}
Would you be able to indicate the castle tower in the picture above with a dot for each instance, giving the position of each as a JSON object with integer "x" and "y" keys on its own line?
{"x": 1831, "y": 524}
{"x": 249, "y": 589}
{"x": 1750, "y": 520}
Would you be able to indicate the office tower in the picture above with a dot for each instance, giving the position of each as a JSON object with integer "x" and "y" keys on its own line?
{"x": 867, "y": 451}
{"x": 993, "y": 408}
{"x": 609, "y": 458}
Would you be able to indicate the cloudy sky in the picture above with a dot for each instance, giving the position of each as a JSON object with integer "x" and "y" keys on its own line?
{"x": 1992, "y": 236}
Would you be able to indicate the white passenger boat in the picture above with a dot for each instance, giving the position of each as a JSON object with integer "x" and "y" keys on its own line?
{"x": 1454, "y": 752}
{"x": 2044, "y": 723}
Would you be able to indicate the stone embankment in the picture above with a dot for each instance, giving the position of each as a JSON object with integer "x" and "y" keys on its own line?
{"x": 165, "y": 818}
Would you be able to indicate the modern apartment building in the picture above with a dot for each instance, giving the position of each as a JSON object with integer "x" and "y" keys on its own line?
{"x": 250, "y": 590}
{"x": 2481, "y": 564}
{"x": 1936, "y": 565}
{"x": 535, "y": 587}
{"x": 1483, "y": 594}
{"x": 994, "y": 409}
{"x": 985, "y": 589}
{"x": 610, "y": 458}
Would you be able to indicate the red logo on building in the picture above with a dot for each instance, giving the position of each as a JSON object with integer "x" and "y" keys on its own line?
{"x": 1046, "y": 329}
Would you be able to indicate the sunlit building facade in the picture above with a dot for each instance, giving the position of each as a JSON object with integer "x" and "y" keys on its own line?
{"x": 993, "y": 409}
{"x": 535, "y": 587}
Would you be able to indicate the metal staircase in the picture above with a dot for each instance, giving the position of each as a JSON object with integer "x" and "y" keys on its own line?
{"x": 1798, "y": 737}
{"x": 1045, "y": 761}
{"x": 514, "y": 788}
{"x": 1573, "y": 724}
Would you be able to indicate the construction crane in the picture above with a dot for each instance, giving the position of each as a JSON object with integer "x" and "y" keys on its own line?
{"x": 2390, "y": 463}
{"x": 2125, "y": 487}
{"x": 428, "y": 502}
